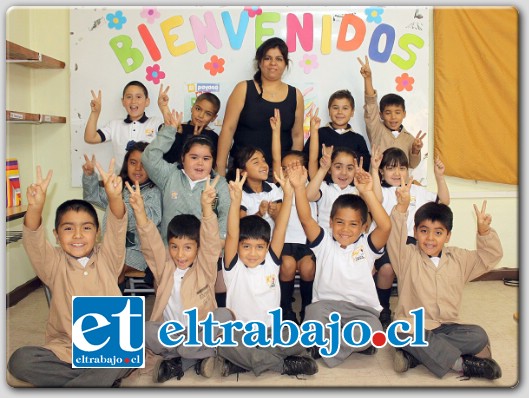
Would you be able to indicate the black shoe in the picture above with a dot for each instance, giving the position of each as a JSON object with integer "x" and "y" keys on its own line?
{"x": 294, "y": 365}
{"x": 385, "y": 318}
{"x": 229, "y": 368}
{"x": 314, "y": 352}
{"x": 371, "y": 350}
{"x": 403, "y": 360}
{"x": 487, "y": 368}
{"x": 205, "y": 367}
{"x": 291, "y": 316}
{"x": 166, "y": 369}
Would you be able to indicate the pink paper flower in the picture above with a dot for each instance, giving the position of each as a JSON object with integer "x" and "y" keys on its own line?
{"x": 150, "y": 14}
{"x": 404, "y": 82}
{"x": 215, "y": 65}
{"x": 154, "y": 74}
{"x": 253, "y": 11}
{"x": 309, "y": 62}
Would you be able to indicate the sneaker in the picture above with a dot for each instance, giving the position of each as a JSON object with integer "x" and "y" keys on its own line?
{"x": 205, "y": 367}
{"x": 291, "y": 316}
{"x": 229, "y": 368}
{"x": 294, "y": 365}
{"x": 487, "y": 368}
{"x": 385, "y": 318}
{"x": 166, "y": 369}
{"x": 314, "y": 352}
{"x": 371, "y": 350}
{"x": 402, "y": 361}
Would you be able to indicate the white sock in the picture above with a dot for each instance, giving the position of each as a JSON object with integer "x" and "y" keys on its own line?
{"x": 458, "y": 365}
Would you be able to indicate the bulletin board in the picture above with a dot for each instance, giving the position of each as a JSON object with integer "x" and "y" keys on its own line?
{"x": 197, "y": 49}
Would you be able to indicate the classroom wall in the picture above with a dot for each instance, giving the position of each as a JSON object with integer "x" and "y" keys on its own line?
{"x": 47, "y": 91}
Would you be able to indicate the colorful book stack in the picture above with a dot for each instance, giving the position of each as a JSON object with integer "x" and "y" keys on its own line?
{"x": 13, "y": 195}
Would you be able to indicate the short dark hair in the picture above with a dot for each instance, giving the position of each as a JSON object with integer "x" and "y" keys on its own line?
{"x": 199, "y": 140}
{"x": 138, "y": 84}
{"x": 343, "y": 149}
{"x": 240, "y": 158}
{"x": 76, "y": 205}
{"x": 254, "y": 227}
{"x": 133, "y": 146}
{"x": 341, "y": 94}
{"x": 184, "y": 226}
{"x": 392, "y": 99}
{"x": 435, "y": 212}
{"x": 394, "y": 156}
{"x": 302, "y": 155}
{"x": 210, "y": 97}
{"x": 273, "y": 42}
{"x": 350, "y": 201}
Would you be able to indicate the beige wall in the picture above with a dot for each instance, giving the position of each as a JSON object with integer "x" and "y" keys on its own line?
{"x": 47, "y": 91}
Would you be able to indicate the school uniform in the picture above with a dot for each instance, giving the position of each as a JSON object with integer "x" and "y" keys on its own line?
{"x": 66, "y": 276}
{"x": 344, "y": 283}
{"x": 251, "y": 200}
{"x": 251, "y": 293}
{"x": 379, "y": 134}
{"x": 436, "y": 284}
{"x": 120, "y": 132}
{"x": 329, "y": 192}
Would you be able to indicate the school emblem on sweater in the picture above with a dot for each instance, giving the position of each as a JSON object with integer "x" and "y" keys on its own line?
{"x": 149, "y": 132}
{"x": 174, "y": 195}
{"x": 108, "y": 332}
{"x": 271, "y": 280}
{"x": 359, "y": 254}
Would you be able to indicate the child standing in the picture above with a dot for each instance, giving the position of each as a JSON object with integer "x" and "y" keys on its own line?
{"x": 136, "y": 126}
{"x": 388, "y": 132}
{"x": 79, "y": 267}
{"x": 185, "y": 273}
{"x": 392, "y": 167}
{"x": 344, "y": 257}
{"x": 338, "y": 132}
{"x": 251, "y": 268}
{"x": 432, "y": 275}
{"x": 131, "y": 171}
{"x": 203, "y": 112}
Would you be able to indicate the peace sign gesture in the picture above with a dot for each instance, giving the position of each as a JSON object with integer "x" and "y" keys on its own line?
{"x": 284, "y": 183}
{"x": 315, "y": 121}
{"x": 275, "y": 121}
{"x": 112, "y": 182}
{"x": 209, "y": 195}
{"x": 95, "y": 104}
{"x": 236, "y": 185}
{"x": 484, "y": 219}
{"x": 89, "y": 165}
{"x": 163, "y": 98}
{"x": 417, "y": 143}
{"x": 173, "y": 118}
{"x": 365, "y": 69}
{"x": 403, "y": 194}
{"x": 198, "y": 129}
{"x": 36, "y": 192}
{"x": 376, "y": 157}
{"x": 326, "y": 155}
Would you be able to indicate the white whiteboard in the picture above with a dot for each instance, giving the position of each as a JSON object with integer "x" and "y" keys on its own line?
{"x": 111, "y": 46}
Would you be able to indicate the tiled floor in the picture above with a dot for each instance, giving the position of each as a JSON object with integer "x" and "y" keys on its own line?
{"x": 489, "y": 304}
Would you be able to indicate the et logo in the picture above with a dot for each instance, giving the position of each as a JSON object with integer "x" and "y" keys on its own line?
{"x": 108, "y": 332}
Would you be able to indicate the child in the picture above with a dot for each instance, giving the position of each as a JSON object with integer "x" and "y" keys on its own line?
{"x": 251, "y": 267}
{"x": 203, "y": 112}
{"x": 259, "y": 197}
{"x": 338, "y": 132}
{"x": 296, "y": 255}
{"x": 432, "y": 276}
{"x": 132, "y": 170}
{"x": 79, "y": 267}
{"x": 344, "y": 257}
{"x": 388, "y": 132}
{"x": 185, "y": 273}
{"x": 136, "y": 126}
{"x": 393, "y": 166}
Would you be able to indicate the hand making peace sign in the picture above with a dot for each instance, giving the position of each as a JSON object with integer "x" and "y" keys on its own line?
{"x": 36, "y": 192}
{"x": 95, "y": 103}
{"x": 365, "y": 69}
{"x": 484, "y": 219}
{"x": 417, "y": 143}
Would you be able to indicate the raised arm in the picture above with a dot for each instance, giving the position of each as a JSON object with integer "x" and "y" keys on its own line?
{"x": 281, "y": 221}
{"x": 36, "y": 196}
{"x": 275, "y": 124}
{"x": 163, "y": 104}
{"x": 297, "y": 175}
{"x": 314, "y": 142}
{"x": 365, "y": 71}
{"x": 297, "y": 129}
{"x": 376, "y": 159}
{"x": 90, "y": 132}
{"x": 92, "y": 191}
{"x": 364, "y": 184}
{"x": 313, "y": 189}
{"x": 442, "y": 189}
{"x": 113, "y": 188}
{"x": 232, "y": 235}
{"x": 229, "y": 125}
{"x": 415, "y": 152}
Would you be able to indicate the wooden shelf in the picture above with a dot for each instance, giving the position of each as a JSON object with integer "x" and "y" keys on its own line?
{"x": 32, "y": 59}
{"x": 36, "y": 118}
{"x": 13, "y": 213}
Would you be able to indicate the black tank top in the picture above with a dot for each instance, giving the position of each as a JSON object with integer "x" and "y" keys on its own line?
{"x": 254, "y": 122}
